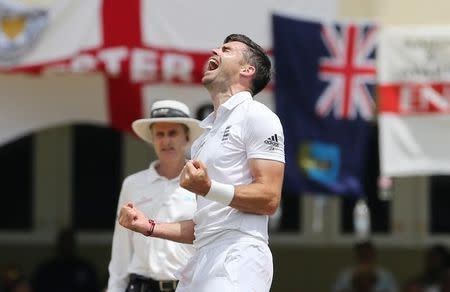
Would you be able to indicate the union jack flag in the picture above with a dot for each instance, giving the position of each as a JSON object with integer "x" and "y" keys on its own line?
{"x": 324, "y": 97}
{"x": 348, "y": 70}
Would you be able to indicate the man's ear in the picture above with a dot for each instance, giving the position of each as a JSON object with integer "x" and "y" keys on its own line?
{"x": 248, "y": 70}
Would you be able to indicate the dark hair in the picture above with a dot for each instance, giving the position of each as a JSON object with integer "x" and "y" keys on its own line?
{"x": 440, "y": 252}
{"x": 364, "y": 245}
{"x": 256, "y": 57}
{"x": 364, "y": 250}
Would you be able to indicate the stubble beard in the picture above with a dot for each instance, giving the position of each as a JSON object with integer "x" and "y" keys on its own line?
{"x": 208, "y": 82}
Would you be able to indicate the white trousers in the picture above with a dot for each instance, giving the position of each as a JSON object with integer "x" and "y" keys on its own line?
{"x": 243, "y": 266}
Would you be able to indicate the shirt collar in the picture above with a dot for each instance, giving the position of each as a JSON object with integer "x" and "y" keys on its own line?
{"x": 236, "y": 99}
{"x": 153, "y": 174}
{"x": 228, "y": 105}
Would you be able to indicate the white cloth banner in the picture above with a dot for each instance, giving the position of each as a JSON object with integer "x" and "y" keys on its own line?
{"x": 105, "y": 62}
{"x": 414, "y": 120}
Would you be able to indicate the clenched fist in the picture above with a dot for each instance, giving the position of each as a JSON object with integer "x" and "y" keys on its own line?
{"x": 194, "y": 177}
{"x": 132, "y": 218}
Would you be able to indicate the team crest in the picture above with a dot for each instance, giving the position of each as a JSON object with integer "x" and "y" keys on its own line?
{"x": 20, "y": 27}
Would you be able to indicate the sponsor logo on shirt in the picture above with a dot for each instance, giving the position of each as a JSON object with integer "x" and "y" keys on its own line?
{"x": 226, "y": 134}
{"x": 272, "y": 140}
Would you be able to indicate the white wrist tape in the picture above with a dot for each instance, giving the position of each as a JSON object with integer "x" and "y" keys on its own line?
{"x": 221, "y": 193}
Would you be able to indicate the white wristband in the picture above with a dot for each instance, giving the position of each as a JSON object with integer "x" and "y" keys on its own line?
{"x": 221, "y": 193}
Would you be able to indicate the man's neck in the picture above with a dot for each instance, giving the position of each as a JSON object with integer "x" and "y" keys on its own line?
{"x": 219, "y": 98}
{"x": 170, "y": 169}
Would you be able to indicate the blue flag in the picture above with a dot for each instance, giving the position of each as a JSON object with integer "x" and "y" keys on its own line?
{"x": 324, "y": 96}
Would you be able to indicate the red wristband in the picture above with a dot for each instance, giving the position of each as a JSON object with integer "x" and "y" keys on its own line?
{"x": 151, "y": 227}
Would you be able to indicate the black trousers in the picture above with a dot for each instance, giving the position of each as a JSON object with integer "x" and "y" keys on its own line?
{"x": 142, "y": 284}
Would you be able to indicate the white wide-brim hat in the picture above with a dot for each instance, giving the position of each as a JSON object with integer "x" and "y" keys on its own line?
{"x": 167, "y": 111}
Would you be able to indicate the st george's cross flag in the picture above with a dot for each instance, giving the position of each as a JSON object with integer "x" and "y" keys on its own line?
{"x": 324, "y": 93}
{"x": 414, "y": 81}
{"x": 106, "y": 61}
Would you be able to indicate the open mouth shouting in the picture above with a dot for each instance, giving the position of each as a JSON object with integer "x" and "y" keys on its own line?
{"x": 213, "y": 64}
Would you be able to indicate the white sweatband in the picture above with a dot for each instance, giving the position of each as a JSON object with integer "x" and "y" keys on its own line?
{"x": 221, "y": 193}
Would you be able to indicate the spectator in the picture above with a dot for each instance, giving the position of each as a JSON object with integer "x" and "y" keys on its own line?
{"x": 435, "y": 268}
{"x": 445, "y": 282}
{"x": 13, "y": 280}
{"x": 365, "y": 275}
{"x": 412, "y": 285}
{"x": 66, "y": 272}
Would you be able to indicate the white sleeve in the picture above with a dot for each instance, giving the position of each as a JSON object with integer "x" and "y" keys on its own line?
{"x": 121, "y": 252}
{"x": 263, "y": 135}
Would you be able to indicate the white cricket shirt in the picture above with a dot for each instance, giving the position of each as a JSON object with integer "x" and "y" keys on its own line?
{"x": 242, "y": 129}
{"x": 164, "y": 201}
